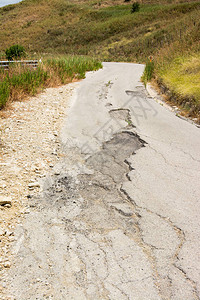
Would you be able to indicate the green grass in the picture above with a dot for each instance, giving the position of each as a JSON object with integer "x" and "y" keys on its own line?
{"x": 181, "y": 76}
{"x": 148, "y": 71}
{"x": 72, "y": 67}
{"x": 20, "y": 81}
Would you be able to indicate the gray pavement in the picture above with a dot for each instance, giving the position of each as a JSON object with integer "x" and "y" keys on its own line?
{"x": 119, "y": 218}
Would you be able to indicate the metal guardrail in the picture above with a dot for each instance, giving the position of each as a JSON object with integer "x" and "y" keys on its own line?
{"x": 5, "y": 64}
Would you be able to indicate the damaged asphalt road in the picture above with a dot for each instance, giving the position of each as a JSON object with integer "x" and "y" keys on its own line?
{"x": 119, "y": 219}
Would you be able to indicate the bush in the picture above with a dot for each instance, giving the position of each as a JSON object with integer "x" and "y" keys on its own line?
{"x": 135, "y": 7}
{"x": 15, "y": 52}
{"x": 148, "y": 71}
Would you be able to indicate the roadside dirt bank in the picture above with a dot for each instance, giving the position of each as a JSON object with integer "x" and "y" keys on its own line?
{"x": 184, "y": 107}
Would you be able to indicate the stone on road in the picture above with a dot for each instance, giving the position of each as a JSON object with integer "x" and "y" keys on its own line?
{"x": 119, "y": 219}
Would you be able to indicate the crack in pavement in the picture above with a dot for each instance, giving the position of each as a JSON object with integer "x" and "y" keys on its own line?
{"x": 104, "y": 194}
{"x": 87, "y": 236}
{"x": 179, "y": 232}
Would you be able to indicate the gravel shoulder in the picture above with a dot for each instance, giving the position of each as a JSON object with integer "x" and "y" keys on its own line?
{"x": 29, "y": 148}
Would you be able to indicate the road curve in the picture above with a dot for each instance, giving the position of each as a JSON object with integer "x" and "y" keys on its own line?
{"x": 119, "y": 216}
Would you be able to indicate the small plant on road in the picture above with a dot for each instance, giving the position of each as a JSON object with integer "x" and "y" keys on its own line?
{"x": 129, "y": 122}
{"x": 109, "y": 83}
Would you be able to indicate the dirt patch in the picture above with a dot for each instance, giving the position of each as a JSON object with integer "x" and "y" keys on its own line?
{"x": 29, "y": 148}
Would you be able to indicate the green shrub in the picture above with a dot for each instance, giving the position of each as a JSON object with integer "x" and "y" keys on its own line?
{"x": 148, "y": 71}
{"x": 135, "y": 7}
{"x": 15, "y": 52}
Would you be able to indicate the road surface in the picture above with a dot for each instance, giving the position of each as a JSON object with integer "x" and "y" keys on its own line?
{"x": 119, "y": 218}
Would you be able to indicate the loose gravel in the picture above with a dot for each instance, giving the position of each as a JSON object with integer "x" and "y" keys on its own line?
{"x": 29, "y": 148}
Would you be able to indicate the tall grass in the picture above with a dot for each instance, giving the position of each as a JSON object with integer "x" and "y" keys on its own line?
{"x": 148, "y": 71}
{"x": 22, "y": 81}
{"x": 68, "y": 68}
{"x": 180, "y": 75}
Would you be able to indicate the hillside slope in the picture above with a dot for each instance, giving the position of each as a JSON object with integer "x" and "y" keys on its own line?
{"x": 109, "y": 31}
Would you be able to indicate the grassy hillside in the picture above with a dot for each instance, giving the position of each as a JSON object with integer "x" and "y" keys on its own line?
{"x": 112, "y": 32}
{"x": 167, "y": 30}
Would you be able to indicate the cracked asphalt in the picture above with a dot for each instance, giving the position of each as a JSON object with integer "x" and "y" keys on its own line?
{"x": 119, "y": 217}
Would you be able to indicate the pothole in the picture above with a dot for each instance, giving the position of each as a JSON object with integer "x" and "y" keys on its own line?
{"x": 121, "y": 113}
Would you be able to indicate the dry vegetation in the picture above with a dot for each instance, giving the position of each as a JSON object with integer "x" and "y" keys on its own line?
{"x": 112, "y": 32}
{"x": 23, "y": 81}
{"x": 167, "y": 30}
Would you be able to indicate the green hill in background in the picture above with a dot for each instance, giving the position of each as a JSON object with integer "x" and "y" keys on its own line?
{"x": 108, "y": 31}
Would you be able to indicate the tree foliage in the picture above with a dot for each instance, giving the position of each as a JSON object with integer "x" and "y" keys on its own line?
{"x": 135, "y": 7}
{"x": 15, "y": 52}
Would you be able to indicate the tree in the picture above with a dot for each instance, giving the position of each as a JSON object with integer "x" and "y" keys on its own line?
{"x": 135, "y": 7}
{"x": 15, "y": 52}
